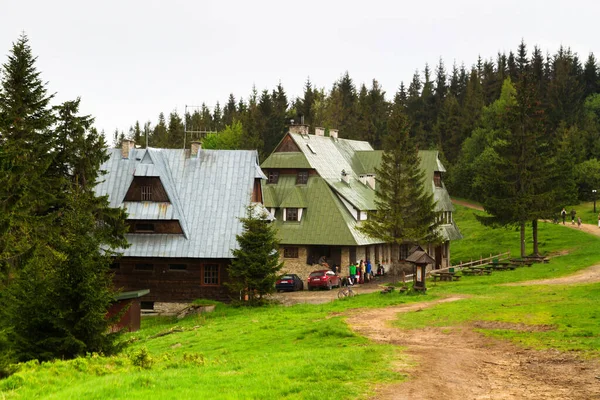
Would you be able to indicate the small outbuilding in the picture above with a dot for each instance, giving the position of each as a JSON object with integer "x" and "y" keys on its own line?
{"x": 127, "y": 304}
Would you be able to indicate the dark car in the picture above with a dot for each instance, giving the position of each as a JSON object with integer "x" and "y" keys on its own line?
{"x": 323, "y": 279}
{"x": 289, "y": 283}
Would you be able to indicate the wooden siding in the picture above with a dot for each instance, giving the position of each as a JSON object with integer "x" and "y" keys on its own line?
{"x": 168, "y": 285}
{"x": 130, "y": 317}
{"x": 257, "y": 191}
{"x": 134, "y": 193}
{"x": 287, "y": 145}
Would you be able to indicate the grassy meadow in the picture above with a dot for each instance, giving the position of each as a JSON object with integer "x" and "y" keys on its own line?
{"x": 308, "y": 352}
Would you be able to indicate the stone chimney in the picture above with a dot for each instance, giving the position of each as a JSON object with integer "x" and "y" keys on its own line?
{"x": 333, "y": 133}
{"x": 196, "y": 147}
{"x": 126, "y": 147}
{"x": 299, "y": 129}
{"x": 319, "y": 131}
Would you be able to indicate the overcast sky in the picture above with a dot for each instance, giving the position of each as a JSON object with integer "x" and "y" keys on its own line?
{"x": 130, "y": 60}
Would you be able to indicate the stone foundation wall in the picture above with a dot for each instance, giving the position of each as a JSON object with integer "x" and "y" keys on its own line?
{"x": 169, "y": 308}
{"x": 298, "y": 265}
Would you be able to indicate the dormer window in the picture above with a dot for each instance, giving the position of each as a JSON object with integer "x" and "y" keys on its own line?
{"x": 273, "y": 177}
{"x": 302, "y": 178}
{"x": 437, "y": 179}
{"x": 291, "y": 214}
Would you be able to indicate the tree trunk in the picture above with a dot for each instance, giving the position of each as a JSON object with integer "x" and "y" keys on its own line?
{"x": 534, "y": 226}
{"x": 522, "y": 239}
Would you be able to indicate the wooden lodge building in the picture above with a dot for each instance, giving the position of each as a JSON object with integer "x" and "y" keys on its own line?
{"x": 320, "y": 188}
{"x": 184, "y": 211}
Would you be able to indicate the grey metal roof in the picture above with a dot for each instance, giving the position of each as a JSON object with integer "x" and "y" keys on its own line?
{"x": 208, "y": 195}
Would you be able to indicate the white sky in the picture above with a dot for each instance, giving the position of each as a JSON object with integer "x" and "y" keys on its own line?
{"x": 130, "y": 60}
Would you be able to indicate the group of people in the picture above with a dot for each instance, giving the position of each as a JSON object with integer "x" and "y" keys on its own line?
{"x": 358, "y": 272}
{"x": 361, "y": 272}
{"x": 563, "y": 214}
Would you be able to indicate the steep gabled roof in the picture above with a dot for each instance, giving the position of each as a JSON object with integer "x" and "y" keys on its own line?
{"x": 329, "y": 156}
{"x": 326, "y": 220}
{"x": 208, "y": 195}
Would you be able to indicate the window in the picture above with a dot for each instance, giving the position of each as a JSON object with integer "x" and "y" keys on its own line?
{"x": 290, "y": 252}
{"x": 177, "y": 267}
{"x": 146, "y": 193}
{"x": 210, "y": 275}
{"x": 437, "y": 179}
{"x": 302, "y": 178}
{"x": 273, "y": 177}
{"x": 291, "y": 214}
{"x": 144, "y": 227}
{"x": 144, "y": 267}
{"x": 403, "y": 251}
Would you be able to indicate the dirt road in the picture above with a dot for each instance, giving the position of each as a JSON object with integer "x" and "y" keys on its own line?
{"x": 458, "y": 363}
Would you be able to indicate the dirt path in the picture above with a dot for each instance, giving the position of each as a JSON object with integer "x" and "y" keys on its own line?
{"x": 458, "y": 363}
{"x": 588, "y": 275}
{"x": 467, "y": 204}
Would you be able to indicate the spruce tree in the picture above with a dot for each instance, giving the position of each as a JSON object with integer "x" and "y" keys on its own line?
{"x": 26, "y": 143}
{"x": 256, "y": 262}
{"x": 405, "y": 212}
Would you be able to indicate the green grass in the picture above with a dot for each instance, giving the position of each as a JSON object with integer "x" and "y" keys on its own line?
{"x": 308, "y": 352}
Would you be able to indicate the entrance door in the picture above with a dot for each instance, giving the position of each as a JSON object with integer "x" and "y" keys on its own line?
{"x": 438, "y": 257}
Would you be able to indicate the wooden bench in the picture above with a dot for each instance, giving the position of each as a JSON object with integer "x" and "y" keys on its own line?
{"x": 481, "y": 270}
{"x": 522, "y": 262}
{"x": 445, "y": 276}
{"x": 538, "y": 259}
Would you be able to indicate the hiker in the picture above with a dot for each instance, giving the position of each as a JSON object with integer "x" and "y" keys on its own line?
{"x": 573, "y": 212}
{"x": 369, "y": 271}
{"x": 351, "y": 273}
{"x": 579, "y": 222}
{"x": 563, "y": 213}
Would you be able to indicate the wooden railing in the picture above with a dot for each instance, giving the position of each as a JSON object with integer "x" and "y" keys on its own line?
{"x": 482, "y": 260}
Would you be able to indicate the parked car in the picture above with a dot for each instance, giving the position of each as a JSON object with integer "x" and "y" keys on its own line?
{"x": 323, "y": 279}
{"x": 289, "y": 283}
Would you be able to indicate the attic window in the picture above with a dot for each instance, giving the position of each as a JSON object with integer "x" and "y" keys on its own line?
{"x": 146, "y": 193}
{"x": 302, "y": 178}
{"x": 273, "y": 177}
{"x": 311, "y": 149}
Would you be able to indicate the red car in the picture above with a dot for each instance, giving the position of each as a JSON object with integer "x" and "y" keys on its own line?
{"x": 323, "y": 279}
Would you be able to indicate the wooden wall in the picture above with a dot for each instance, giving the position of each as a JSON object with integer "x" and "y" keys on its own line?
{"x": 171, "y": 285}
{"x": 135, "y": 190}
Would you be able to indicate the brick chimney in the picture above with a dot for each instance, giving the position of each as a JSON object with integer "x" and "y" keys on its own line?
{"x": 319, "y": 131}
{"x": 126, "y": 147}
{"x": 196, "y": 147}
{"x": 299, "y": 129}
{"x": 333, "y": 133}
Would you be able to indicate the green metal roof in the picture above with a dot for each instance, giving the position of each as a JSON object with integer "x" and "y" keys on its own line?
{"x": 430, "y": 163}
{"x": 131, "y": 295}
{"x": 325, "y": 220}
{"x": 365, "y": 162}
{"x": 295, "y": 198}
{"x": 269, "y": 196}
{"x": 293, "y": 159}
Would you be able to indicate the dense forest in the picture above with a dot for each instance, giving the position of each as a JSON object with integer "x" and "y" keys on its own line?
{"x": 448, "y": 109}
